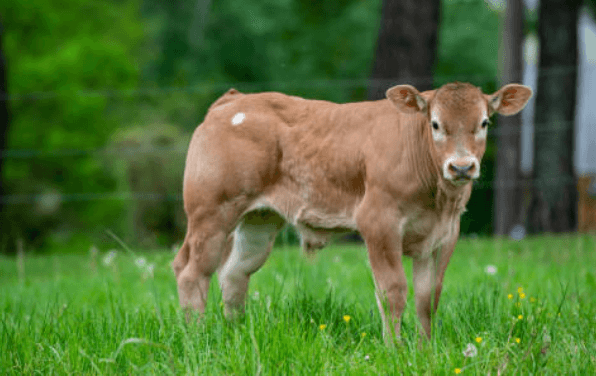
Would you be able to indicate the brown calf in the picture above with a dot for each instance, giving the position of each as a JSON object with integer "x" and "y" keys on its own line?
{"x": 397, "y": 170}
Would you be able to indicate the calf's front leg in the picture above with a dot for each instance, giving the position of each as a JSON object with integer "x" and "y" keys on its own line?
{"x": 391, "y": 285}
{"x": 428, "y": 273}
{"x": 424, "y": 275}
{"x": 384, "y": 244}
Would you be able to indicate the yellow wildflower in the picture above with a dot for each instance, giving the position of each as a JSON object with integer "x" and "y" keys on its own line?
{"x": 458, "y": 370}
{"x": 510, "y": 296}
{"x": 517, "y": 340}
{"x": 322, "y": 326}
{"x": 478, "y": 339}
{"x": 363, "y": 334}
{"x": 347, "y": 318}
{"x": 522, "y": 295}
{"x": 520, "y": 317}
{"x": 532, "y": 299}
{"x": 518, "y": 304}
{"x": 520, "y": 290}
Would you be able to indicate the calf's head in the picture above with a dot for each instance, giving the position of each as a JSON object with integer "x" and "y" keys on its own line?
{"x": 458, "y": 118}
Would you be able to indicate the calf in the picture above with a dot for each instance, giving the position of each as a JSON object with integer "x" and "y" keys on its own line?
{"x": 398, "y": 170}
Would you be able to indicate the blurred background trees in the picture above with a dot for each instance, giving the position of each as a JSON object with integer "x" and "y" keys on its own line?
{"x": 406, "y": 46}
{"x": 67, "y": 63}
{"x": 554, "y": 195}
{"x": 4, "y": 123}
{"x": 104, "y": 96}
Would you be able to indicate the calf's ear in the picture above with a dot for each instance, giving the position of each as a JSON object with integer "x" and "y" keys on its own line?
{"x": 509, "y": 100}
{"x": 407, "y": 99}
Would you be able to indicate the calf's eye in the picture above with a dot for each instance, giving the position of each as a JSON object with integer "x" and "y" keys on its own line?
{"x": 485, "y": 123}
{"x": 435, "y": 125}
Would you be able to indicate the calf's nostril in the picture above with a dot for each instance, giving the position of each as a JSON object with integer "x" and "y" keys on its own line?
{"x": 461, "y": 170}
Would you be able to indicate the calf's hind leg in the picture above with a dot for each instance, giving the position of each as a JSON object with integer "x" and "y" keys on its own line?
{"x": 198, "y": 259}
{"x": 252, "y": 243}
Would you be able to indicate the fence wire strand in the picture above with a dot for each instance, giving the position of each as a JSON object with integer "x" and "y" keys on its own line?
{"x": 17, "y": 199}
{"x": 259, "y": 85}
{"x": 25, "y": 154}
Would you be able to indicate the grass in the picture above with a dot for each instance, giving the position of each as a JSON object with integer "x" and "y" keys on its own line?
{"x": 72, "y": 314}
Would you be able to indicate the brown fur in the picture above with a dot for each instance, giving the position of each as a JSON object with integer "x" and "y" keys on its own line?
{"x": 260, "y": 160}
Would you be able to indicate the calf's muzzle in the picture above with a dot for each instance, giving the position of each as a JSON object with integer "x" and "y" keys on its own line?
{"x": 461, "y": 171}
{"x": 458, "y": 169}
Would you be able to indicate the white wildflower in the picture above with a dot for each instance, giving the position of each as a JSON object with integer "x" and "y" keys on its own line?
{"x": 470, "y": 351}
{"x": 109, "y": 257}
{"x": 490, "y": 269}
{"x": 140, "y": 262}
{"x": 366, "y": 357}
{"x": 518, "y": 232}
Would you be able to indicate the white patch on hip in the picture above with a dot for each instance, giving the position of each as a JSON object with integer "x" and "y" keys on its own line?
{"x": 238, "y": 118}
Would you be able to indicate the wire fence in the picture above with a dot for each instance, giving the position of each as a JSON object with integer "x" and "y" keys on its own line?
{"x": 539, "y": 128}
{"x": 208, "y": 87}
{"x": 18, "y": 199}
{"x": 9, "y": 199}
{"x": 120, "y": 153}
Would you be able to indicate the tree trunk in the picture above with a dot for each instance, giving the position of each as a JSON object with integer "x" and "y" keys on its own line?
{"x": 406, "y": 47}
{"x": 507, "y": 190}
{"x": 554, "y": 205}
{"x": 4, "y": 120}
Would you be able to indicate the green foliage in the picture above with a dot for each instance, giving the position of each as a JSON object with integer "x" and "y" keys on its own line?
{"x": 152, "y": 163}
{"x": 591, "y": 5}
{"x": 81, "y": 314}
{"x": 468, "y": 44}
{"x": 63, "y": 57}
{"x": 347, "y": 37}
{"x": 281, "y": 45}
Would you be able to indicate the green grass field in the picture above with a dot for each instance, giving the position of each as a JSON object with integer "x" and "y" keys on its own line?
{"x": 73, "y": 314}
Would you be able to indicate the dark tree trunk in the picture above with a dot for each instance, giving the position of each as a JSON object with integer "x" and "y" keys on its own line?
{"x": 507, "y": 192}
{"x": 554, "y": 183}
{"x": 406, "y": 47}
{"x": 4, "y": 120}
